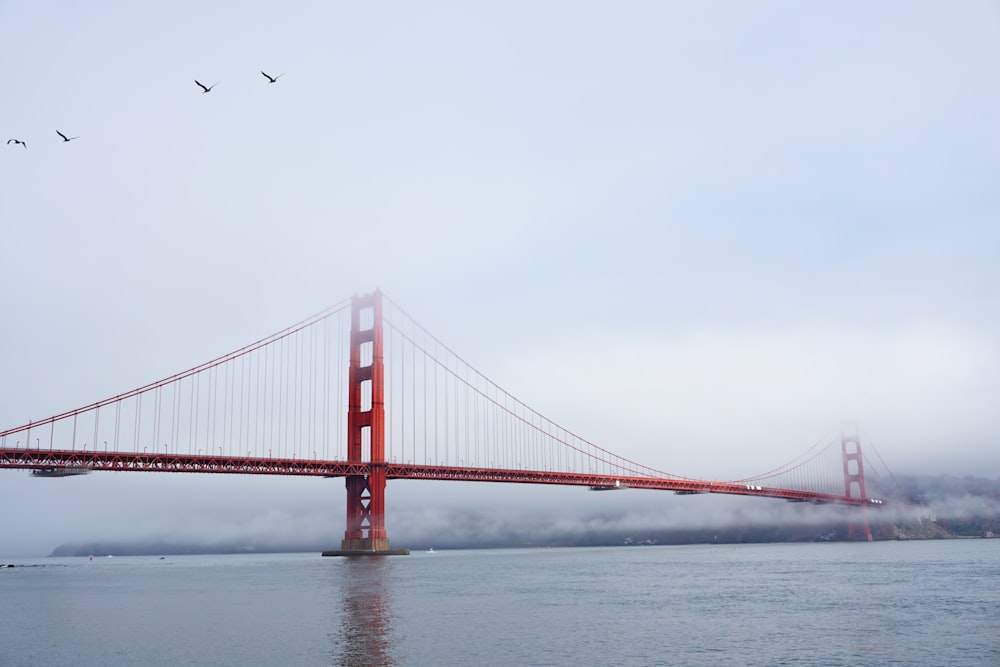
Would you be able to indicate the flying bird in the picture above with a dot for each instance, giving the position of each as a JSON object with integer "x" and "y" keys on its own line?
{"x": 16, "y": 142}
{"x": 64, "y": 137}
{"x": 204, "y": 88}
{"x": 272, "y": 79}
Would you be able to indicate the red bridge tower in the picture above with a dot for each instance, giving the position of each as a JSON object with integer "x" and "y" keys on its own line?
{"x": 365, "y": 534}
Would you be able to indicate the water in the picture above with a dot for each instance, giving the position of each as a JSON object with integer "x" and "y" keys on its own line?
{"x": 884, "y": 603}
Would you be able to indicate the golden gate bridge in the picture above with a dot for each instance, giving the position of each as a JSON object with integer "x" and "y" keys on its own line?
{"x": 362, "y": 391}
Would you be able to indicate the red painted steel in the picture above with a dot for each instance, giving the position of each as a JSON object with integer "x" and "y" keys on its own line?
{"x": 44, "y": 459}
{"x": 236, "y": 465}
{"x": 366, "y": 426}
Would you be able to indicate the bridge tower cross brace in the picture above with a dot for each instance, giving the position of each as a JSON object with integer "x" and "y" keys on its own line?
{"x": 854, "y": 479}
{"x": 365, "y": 533}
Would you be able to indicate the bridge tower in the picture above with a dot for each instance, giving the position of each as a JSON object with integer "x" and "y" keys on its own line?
{"x": 365, "y": 534}
{"x": 854, "y": 478}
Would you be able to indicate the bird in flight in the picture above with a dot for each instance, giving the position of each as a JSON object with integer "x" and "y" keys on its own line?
{"x": 204, "y": 88}
{"x": 64, "y": 137}
{"x": 16, "y": 142}
{"x": 272, "y": 79}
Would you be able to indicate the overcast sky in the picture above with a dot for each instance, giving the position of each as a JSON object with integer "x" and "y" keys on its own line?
{"x": 700, "y": 235}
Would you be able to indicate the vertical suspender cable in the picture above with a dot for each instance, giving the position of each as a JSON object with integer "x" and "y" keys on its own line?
{"x": 191, "y": 415}
{"x": 97, "y": 420}
{"x": 118, "y": 420}
{"x": 389, "y": 343}
{"x": 413, "y": 396}
{"x": 325, "y": 397}
{"x": 196, "y": 391}
{"x": 293, "y": 444}
{"x": 400, "y": 405}
{"x": 424, "y": 400}
{"x": 341, "y": 455}
{"x": 209, "y": 411}
{"x": 212, "y": 421}
{"x": 238, "y": 431}
{"x": 175, "y": 399}
{"x": 288, "y": 411}
{"x": 269, "y": 434}
{"x": 138, "y": 419}
{"x": 257, "y": 401}
{"x": 227, "y": 408}
{"x": 312, "y": 392}
{"x": 437, "y": 402}
{"x": 156, "y": 416}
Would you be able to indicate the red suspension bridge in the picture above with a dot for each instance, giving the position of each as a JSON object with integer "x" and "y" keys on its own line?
{"x": 414, "y": 410}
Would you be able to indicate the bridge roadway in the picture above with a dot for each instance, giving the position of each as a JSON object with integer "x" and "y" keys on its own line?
{"x": 59, "y": 463}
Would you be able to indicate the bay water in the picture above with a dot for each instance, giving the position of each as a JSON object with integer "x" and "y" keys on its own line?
{"x": 918, "y": 603}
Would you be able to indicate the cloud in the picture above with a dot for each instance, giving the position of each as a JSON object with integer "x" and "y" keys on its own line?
{"x": 764, "y": 396}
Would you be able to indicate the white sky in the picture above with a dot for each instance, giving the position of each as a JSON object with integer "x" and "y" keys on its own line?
{"x": 698, "y": 234}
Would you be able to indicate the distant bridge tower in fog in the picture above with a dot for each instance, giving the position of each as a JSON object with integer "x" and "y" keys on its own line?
{"x": 854, "y": 477}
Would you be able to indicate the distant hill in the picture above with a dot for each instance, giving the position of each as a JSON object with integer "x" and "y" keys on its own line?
{"x": 945, "y": 507}
{"x": 959, "y": 506}
{"x": 176, "y": 548}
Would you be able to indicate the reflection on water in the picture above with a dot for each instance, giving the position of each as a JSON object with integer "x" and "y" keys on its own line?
{"x": 366, "y": 635}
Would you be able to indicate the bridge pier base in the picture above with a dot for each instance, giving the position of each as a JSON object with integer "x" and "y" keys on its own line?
{"x": 366, "y": 547}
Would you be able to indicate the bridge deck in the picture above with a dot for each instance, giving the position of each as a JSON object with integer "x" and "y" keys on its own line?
{"x": 60, "y": 463}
